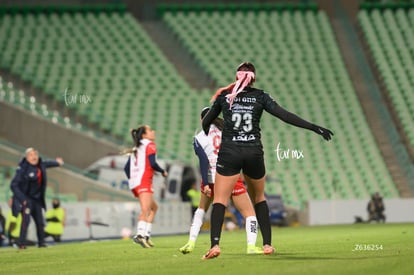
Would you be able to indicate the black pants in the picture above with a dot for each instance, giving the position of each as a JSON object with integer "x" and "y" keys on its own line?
{"x": 32, "y": 209}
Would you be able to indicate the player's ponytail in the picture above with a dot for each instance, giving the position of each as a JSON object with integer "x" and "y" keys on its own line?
{"x": 136, "y": 138}
{"x": 137, "y": 135}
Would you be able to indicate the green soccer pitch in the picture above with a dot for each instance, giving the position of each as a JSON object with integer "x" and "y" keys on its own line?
{"x": 346, "y": 249}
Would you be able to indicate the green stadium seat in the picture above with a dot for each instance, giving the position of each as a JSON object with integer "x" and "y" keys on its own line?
{"x": 387, "y": 33}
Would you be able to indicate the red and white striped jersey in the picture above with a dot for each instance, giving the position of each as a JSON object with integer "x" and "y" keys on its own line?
{"x": 140, "y": 169}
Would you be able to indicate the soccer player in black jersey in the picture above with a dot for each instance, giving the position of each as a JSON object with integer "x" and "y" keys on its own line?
{"x": 241, "y": 149}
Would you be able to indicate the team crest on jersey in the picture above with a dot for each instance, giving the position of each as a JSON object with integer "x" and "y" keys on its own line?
{"x": 31, "y": 175}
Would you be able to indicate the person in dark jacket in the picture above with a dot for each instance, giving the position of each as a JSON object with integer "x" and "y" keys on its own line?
{"x": 376, "y": 209}
{"x": 29, "y": 188}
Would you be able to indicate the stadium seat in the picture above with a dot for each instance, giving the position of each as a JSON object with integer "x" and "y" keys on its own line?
{"x": 388, "y": 33}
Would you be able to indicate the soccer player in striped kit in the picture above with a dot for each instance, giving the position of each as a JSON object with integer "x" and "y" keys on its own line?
{"x": 140, "y": 169}
{"x": 241, "y": 149}
{"x": 206, "y": 148}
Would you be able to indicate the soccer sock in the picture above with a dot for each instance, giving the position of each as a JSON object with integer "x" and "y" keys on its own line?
{"x": 217, "y": 218}
{"x": 141, "y": 227}
{"x": 262, "y": 213}
{"x": 251, "y": 230}
{"x": 148, "y": 230}
{"x": 197, "y": 223}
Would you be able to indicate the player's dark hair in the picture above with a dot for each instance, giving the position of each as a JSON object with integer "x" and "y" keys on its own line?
{"x": 136, "y": 138}
{"x": 137, "y": 135}
{"x": 246, "y": 66}
{"x": 218, "y": 122}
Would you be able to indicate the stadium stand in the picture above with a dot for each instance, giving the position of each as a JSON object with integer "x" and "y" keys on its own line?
{"x": 388, "y": 32}
{"x": 117, "y": 78}
{"x": 18, "y": 97}
{"x": 105, "y": 55}
{"x": 5, "y": 177}
{"x": 11, "y": 94}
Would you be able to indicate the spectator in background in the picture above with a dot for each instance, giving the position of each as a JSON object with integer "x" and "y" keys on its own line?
{"x": 112, "y": 164}
{"x": 194, "y": 196}
{"x": 2, "y": 228}
{"x": 376, "y": 208}
{"x": 55, "y": 219}
{"x": 13, "y": 226}
{"x": 371, "y": 209}
{"x": 380, "y": 208}
{"x": 29, "y": 188}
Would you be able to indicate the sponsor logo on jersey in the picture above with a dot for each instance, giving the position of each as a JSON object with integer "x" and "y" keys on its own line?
{"x": 244, "y": 138}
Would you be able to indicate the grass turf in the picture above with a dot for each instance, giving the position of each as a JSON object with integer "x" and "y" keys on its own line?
{"x": 346, "y": 249}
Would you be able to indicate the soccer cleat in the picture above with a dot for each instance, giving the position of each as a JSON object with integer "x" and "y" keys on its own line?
{"x": 252, "y": 249}
{"x": 149, "y": 242}
{"x": 138, "y": 239}
{"x": 214, "y": 252}
{"x": 268, "y": 249}
{"x": 188, "y": 247}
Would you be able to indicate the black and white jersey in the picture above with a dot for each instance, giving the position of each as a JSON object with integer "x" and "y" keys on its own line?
{"x": 242, "y": 121}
